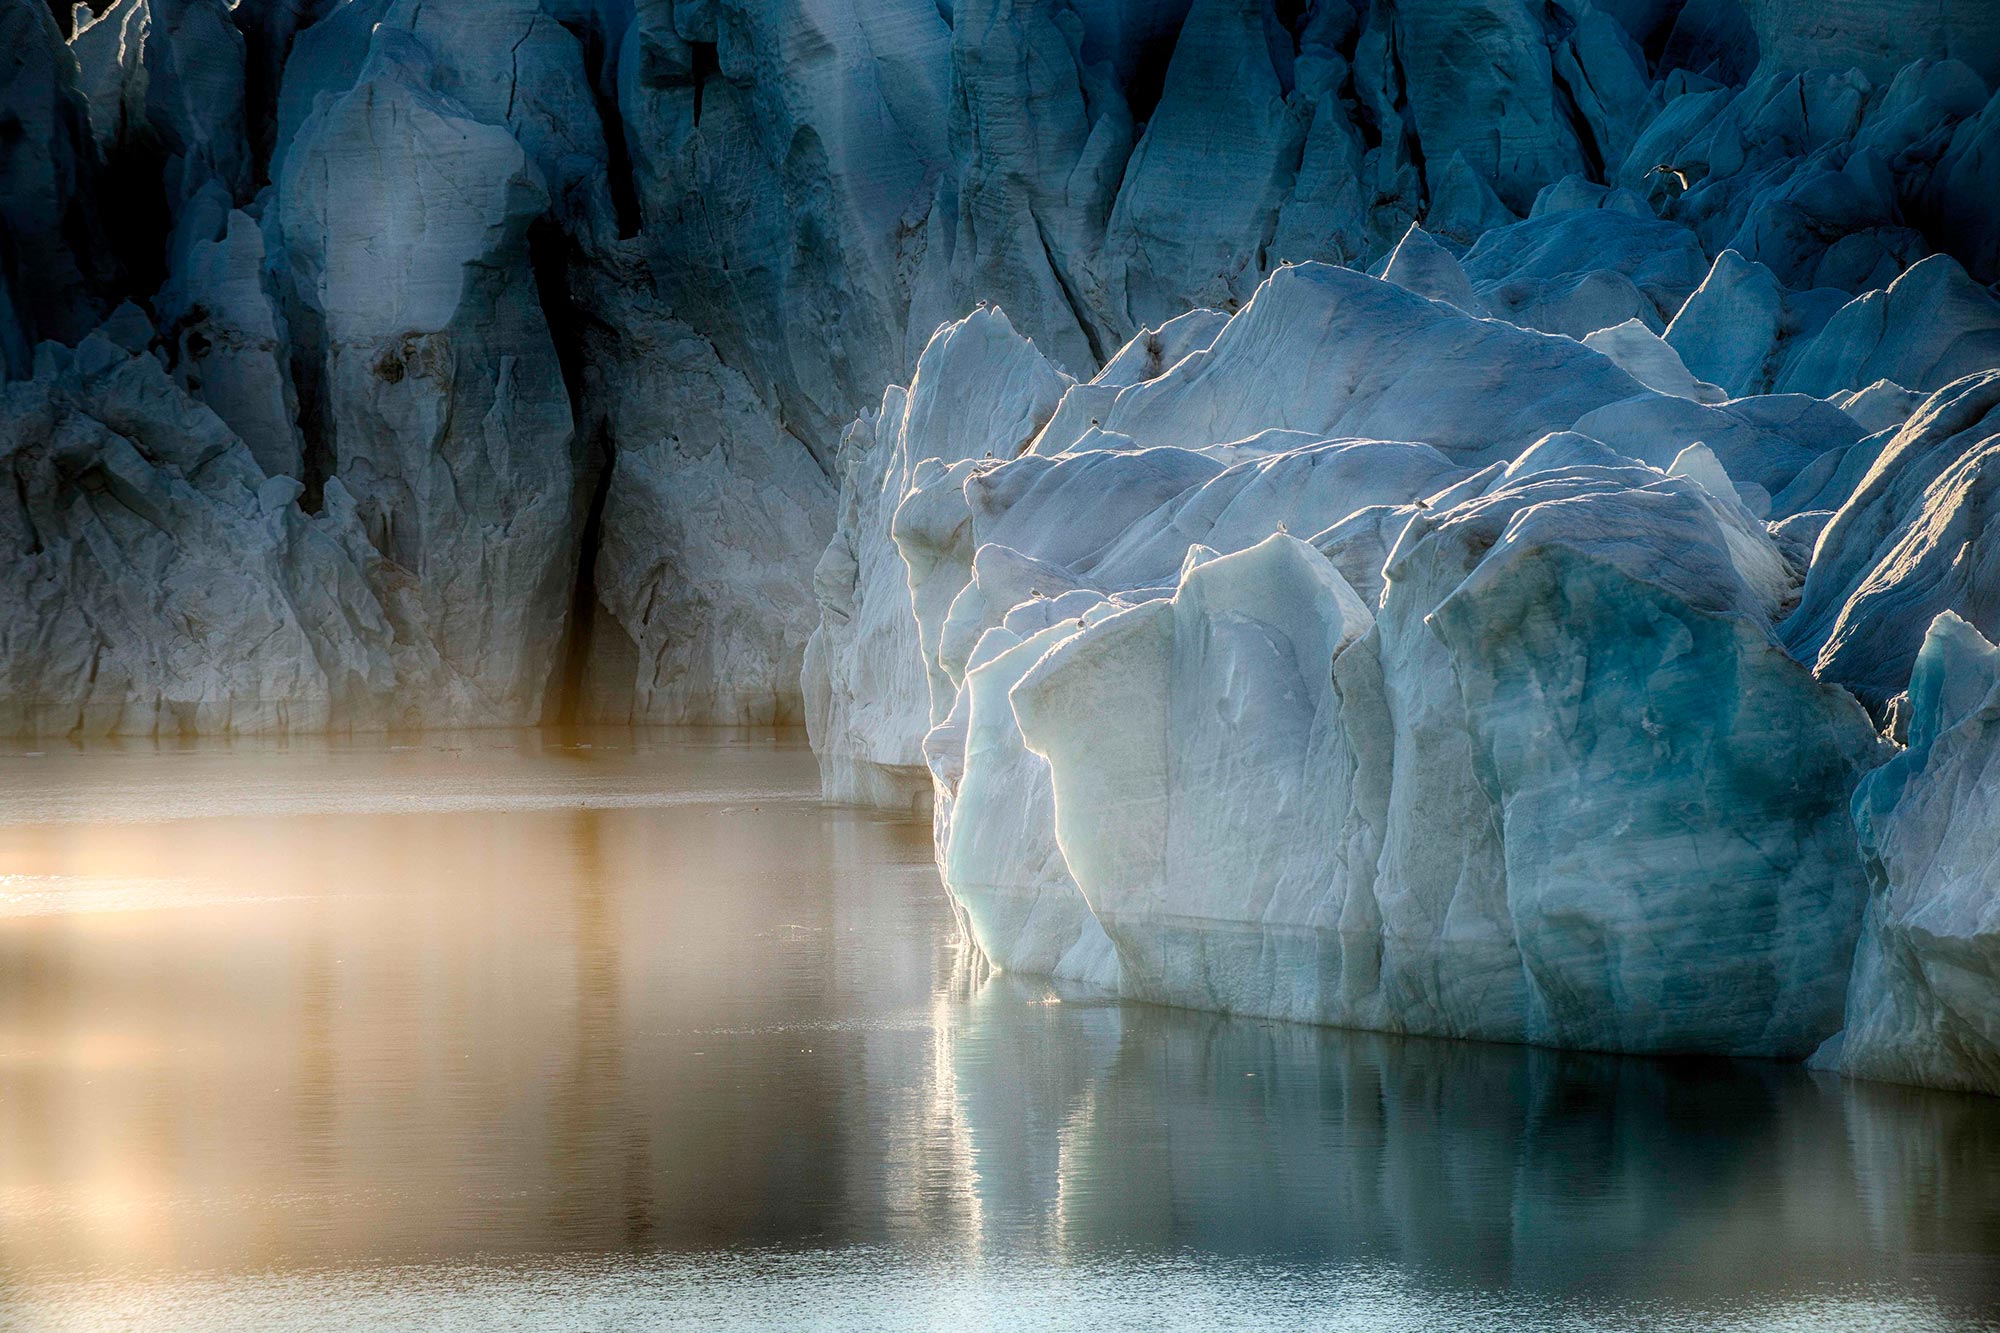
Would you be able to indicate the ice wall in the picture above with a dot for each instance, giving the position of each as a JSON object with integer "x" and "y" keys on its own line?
{"x": 640, "y": 264}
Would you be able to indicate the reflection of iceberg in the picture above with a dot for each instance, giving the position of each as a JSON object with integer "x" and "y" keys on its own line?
{"x": 1469, "y": 1165}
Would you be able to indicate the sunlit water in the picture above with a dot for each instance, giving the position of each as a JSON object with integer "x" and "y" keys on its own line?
{"x": 623, "y": 1031}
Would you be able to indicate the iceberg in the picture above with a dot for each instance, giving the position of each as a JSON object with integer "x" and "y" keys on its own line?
{"x": 1498, "y": 729}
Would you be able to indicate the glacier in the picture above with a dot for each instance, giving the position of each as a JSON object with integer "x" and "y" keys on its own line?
{"x": 1463, "y": 516}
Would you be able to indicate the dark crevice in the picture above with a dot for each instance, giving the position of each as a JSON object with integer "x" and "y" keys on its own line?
{"x": 1360, "y": 113}
{"x": 184, "y": 332}
{"x": 1148, "y": 81}
{"x": 1586, "y": 141}
{"x": 269, "y": 29}
{"x": 706, "y": 60}
{"x": 308, "y": 366}
{"x": 566, "y": 700}
{"x": 1654, "y": 42}
{"x": 548, "y": 259}
{"x": 1715, "y": 39}
{"x": 1283, "y": 24}
{"x": 558, "y": 268}
{"x": 64, "y": 11}
{"x": 260, "y": 102}
{"x": 139, "y": 228}
{"x": 1560, "y": 27}
{"x": 514, "y": 67}
{"x": 27, "y": 513}
{"x": 1406, "y": 126}
{"x": 1556, "y": 24}
{"x": 1269, "y": 232}
{"x": 599, "y": 60}
{"x": 1076, "y": 309}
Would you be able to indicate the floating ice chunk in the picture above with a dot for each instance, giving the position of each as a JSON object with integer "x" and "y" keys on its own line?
{"x": 1277, "y": 803}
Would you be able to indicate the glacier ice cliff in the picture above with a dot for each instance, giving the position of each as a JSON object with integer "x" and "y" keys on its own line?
{"x": 1428, "y": 516}
{"x": 576, "y": 299}
{"x": 158, "y": 579}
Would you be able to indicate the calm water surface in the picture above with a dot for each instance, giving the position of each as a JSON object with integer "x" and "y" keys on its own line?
{"x": 617, "y": 1030}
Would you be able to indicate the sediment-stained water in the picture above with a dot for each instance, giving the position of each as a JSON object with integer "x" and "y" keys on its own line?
{"x": 614, "y": 1029}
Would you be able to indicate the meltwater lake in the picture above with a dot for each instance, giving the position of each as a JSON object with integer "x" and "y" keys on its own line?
{"x": 613, "y": 1029}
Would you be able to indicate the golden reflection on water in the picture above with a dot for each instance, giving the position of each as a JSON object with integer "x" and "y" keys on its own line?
{"x": 287, "y": 1026}
{"x": 297, "y": 1036}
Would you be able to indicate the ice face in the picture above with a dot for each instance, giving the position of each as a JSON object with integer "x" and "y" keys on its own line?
{"x": 1910, "y": 538}
{"x": 1921, "y": 1009}
{"x": 1204, "y": 858}
{"x": 1442, "y": 823}
{"x": 1669, "y": 785}
{"x": 1012, "y": 881}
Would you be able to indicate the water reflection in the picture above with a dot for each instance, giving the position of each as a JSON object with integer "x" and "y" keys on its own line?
{"x": 275, "y": 1012}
